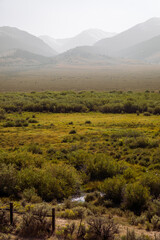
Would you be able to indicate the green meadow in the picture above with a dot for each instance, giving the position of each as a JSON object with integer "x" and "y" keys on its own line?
{"x": 55, "y": 146}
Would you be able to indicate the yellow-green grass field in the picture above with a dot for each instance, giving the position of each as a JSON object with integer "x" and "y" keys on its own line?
{"x": 57, "y": 156}
{"x": 51, "y": 129}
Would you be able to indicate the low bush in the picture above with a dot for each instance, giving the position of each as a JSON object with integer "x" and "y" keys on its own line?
{"x": 101, "y": 228}
{"x": 92, "y": 196}
{"x": 9, "y": 124}
{"x": 131, "y": 235}
{"x": 30, "y": 195}
{"x": 76, "y": 213}
{"x": 155, "y": 222}
{"x": 141, "y": 142}
{"x": 35, "y": 224}
{"x": 88, "y": 122}
{"x": 66, "y": 232}
{"x": 147, "y": 114}
{"x": 135, "y": 220}
{"x": 4, "y": 222}
{"x": 72, "y": 132}
{"x": 35, "y": 149}
{"x": 32, "y": 121}
{"x": 2, "y": 114}
{"x": 16, "y": 123}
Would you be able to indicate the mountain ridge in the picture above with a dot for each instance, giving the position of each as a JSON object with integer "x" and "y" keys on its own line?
{"x": 86, "y": 37}
{"x": 14, "y": 38}
{"x": 130, "y": 37}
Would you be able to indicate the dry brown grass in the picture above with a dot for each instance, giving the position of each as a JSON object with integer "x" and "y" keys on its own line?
{"x": 100, "y": 78}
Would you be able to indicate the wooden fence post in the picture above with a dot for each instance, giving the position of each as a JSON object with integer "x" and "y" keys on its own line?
{"x": 11, "y": 213}
{"x": 53, "y": 220}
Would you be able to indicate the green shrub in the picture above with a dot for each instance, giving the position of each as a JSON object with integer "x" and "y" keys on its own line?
{"x": 101, "y": 167}
{"x": 30, "y": 195}
{"x": 59, "y": 181}
{"x": 35, "y": 149}
{"x": 113, "y": 189}
{"x": 141, "y": 142}
{"x": 69, "y": 214}
{"x": 16, "y": 123}
{"x": 129, "y": 174}
{"x": 92, "y": 196}
{"x": 146, "y": 114}
{"x": 33, "y": 121}
{"x": 8, "y": 180}
{"x": 152, "y": 181}
{"x": 135, "y": 220}
{"x": 4, "y": 222}
{"x": 72, "y": 131}
{"x": 9, "y": 124}
{"x": 155, "y": 222}
{"x": 2, "y": 114}
{"x": 82, "y": 212}
{"x": 66, "y": 232}
{"x": 54, "y": 181}
{"x": 136, "y": 197}
{"x": 131, "y": 235}
{"x": 88, "y": 122}
{"x": 51, "y": 151}
{"x": 21, "y": 123}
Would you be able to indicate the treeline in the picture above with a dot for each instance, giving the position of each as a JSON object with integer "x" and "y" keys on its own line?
{"x": 70, "y": 102}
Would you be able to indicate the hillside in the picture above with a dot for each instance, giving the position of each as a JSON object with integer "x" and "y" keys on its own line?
{"x": 135, "y": 35}
{"x": 82, "y": 56}
{"x": 147, "y": 51}
{"x": 20, "y": 58}
{"x": 13, "y": 38}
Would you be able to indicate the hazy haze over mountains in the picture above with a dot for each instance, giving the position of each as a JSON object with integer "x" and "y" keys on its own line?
{"x": 139, "y": 43}
{"x": 88, "y": 37}
{"x": 123, "y": 45}
{"x": 85, "y": 55}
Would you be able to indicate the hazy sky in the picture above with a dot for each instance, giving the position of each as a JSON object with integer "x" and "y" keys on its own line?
{"x": 65, "y": 18}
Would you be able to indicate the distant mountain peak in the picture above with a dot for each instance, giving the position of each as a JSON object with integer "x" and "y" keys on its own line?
{"x": 87, "y": 37}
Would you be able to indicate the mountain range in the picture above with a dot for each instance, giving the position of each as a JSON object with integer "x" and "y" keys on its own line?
{"x": 139, "y": 43}
{"x": 88, "y": 37}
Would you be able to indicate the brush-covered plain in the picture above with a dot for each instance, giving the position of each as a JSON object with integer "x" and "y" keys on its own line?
{"x": 50, "y": 156}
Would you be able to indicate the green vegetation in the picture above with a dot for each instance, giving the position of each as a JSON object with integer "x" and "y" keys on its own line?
{"x": 70, "y": 102}
{"x": 49, "y": 156}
